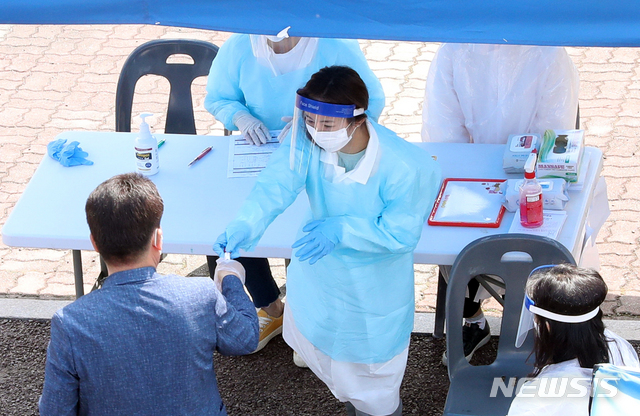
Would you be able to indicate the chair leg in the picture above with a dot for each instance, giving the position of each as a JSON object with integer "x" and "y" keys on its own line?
{"x": 441, "y": 299}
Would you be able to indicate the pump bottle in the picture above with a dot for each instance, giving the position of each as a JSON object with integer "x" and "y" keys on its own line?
{"x": 531, "y": 196}
{"x": 146, "y": 149}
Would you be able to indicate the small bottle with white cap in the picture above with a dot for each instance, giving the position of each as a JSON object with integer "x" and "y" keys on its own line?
{"x": 531, "y": 214}
{"x": 146, "y": 149}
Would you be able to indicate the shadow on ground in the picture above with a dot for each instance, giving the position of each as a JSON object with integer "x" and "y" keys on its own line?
{"x": 265, "y": 383}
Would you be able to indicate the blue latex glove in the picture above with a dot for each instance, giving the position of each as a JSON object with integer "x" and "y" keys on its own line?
{"x": 230, "y": 243}
{"x": 321, "y": 240}
{"x": 68, "y": 154}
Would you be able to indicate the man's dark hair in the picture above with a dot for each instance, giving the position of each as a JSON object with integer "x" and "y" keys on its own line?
{"x": 123, "y": 213}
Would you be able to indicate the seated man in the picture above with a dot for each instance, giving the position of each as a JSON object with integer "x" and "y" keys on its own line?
{"x": 482, "y": 94}
{"x": 144, "y": 342}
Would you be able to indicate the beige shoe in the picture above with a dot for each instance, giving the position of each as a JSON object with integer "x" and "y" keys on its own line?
{"x": 269, "y": 328}
{"x": 297, "y": 360}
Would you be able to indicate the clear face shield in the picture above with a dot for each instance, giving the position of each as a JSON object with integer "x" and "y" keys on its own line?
{"x": 529, "y": 309}
{"x": 319, "y": 125}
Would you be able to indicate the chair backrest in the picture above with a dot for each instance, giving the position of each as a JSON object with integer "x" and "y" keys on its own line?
{"x": 151, "y": 59}
{"x": 471, "y": 386}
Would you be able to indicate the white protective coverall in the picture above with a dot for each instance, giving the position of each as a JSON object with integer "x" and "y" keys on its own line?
{"x": 484, "y": 93}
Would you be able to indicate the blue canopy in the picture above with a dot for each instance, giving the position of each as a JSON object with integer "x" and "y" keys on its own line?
{"x": 540, "y": 22}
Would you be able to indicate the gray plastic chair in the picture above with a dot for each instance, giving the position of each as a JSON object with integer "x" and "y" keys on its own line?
{"x": 469, "y": 392}
{"x": 151, "y": 59}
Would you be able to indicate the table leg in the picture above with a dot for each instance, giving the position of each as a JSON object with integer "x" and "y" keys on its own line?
{"x": 104, "y": 273}
{"x": 441, "y": 299}
{"x": 77, "y": 272}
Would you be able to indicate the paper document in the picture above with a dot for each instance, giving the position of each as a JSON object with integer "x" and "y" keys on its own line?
{"x": 246, "y": 160}
{"x": 553, "y": 222}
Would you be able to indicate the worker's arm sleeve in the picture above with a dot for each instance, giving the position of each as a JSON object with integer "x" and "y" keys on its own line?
{"x": 276, "y": 188}
{"x": 442, "y": 116}
{"x": 224, "y": 96}
{"x": 60, "y": 393}
{"x": 558, "y": 106}
{"x": 355, "y": 59}
{"x": 238, "y": 329}
{"x": 399, "y": 227}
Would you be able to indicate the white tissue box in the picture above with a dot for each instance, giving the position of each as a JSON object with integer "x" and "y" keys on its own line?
{"x": 517, "y": 151}
{"x": 554, "y": 193}
{"x": 560, "y": 155}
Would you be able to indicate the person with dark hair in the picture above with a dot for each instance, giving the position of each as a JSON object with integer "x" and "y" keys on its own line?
{"x": 563, "y": 303}
{"x": 144, "y": 342}
{"x": 350, "y": 307}
{"x": 251, "y": 87}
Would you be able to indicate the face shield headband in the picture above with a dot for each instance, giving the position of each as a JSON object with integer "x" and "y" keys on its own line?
{"x": 302, "y": 147}
{"x": 529, "y": 309}
{"x": 569, "y": 319}
{"x": 325, "y": 109}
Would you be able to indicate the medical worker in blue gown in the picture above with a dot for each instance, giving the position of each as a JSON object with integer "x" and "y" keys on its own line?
{"x": 254, "y": 78}
{"x": 350, "y": 288}
{"x": 251, "y": 87}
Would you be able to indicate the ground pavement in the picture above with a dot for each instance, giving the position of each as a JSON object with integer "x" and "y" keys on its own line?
{"x": 58, "y": 78}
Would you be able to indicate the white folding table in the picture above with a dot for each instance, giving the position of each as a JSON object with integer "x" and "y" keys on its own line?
{"x": 200, "y": 200}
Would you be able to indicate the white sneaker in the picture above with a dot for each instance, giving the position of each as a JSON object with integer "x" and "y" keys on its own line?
{"x": 297, "y": 360}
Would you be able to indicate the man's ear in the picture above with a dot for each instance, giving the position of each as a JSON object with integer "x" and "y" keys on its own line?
{"x": 93, "y": 243}
{"x": 157, "y": 239}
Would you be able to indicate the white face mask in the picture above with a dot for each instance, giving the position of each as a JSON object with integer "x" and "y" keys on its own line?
{"x": 331, "y": 141}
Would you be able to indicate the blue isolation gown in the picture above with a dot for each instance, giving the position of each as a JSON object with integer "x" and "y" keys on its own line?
{"x": 357, "y": 303}
{"x": 237, "y": 82}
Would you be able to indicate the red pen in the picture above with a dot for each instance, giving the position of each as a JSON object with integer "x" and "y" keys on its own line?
{"x": 200, "y": 156}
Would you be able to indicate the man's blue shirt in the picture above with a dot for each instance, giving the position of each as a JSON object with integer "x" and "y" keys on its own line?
{"x": 143, "y": 345}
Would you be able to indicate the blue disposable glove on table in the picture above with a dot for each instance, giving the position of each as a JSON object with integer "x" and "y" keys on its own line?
{"x": 68, "y": 154}
{"x": 321, "y": 240}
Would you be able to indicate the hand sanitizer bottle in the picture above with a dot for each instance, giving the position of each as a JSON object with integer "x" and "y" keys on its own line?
{"x": 531, "y": 196}
{"x": 146, "y": 149}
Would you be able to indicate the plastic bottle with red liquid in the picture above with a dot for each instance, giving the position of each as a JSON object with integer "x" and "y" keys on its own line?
{"x": 531, "y": 215}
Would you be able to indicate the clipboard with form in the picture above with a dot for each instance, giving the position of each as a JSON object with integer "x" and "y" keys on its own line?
{"x": 469, "y": 203}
